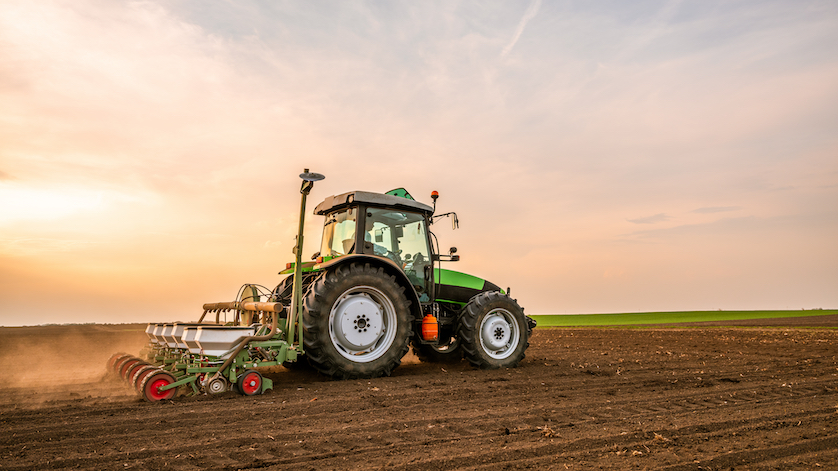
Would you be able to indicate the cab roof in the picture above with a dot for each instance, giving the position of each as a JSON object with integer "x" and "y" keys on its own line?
{"x": 333, "y": 203}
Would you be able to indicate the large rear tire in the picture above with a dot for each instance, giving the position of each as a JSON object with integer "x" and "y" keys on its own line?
{"x": 356, "y": 322}
{"x": 493, "y": 331}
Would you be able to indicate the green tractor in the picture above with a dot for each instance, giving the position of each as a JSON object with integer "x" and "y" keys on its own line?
{"x": 376, "y": 287}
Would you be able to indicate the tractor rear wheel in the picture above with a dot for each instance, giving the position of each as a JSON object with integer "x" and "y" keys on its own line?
{"x": 493, "y": 331}
{"x": 357, "y": 322}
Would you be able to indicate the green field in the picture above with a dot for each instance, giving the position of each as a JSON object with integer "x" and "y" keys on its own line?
{"x": 641, "y": 318}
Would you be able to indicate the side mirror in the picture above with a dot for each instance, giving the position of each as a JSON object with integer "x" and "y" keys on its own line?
{"x": 450, "y": 257}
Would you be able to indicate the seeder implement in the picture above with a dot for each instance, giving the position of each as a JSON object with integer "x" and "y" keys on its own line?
{"x": 214, "y": 358}
{"x": 209, "y": 358}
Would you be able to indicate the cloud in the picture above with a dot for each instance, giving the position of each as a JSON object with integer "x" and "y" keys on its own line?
{"x": 528, "y": 15}
{"x": 715, "y": 209}
{"x": 661, "y": 217}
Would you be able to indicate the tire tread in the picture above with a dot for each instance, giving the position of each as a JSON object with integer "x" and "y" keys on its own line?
{"x": 479, "y": 306}
{"x": 316, "y": 308}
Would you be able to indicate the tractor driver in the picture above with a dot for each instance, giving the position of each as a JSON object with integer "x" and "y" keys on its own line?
{"x": 370, "y": 238}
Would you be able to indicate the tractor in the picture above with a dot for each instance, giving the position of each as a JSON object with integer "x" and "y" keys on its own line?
{"x": 375, "y": 289}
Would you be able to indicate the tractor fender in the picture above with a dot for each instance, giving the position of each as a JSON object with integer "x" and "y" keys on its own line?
{"x": 389, "y": 267}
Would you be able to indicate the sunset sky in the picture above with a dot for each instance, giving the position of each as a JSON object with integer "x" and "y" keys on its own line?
{"x": 602, "y": 156}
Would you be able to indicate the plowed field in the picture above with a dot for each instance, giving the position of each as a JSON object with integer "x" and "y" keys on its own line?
{"x": 596, "y": 398}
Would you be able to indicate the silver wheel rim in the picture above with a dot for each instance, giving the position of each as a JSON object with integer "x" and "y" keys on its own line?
{"x": 499, "y": 334}
{"x": 362, "y": 324}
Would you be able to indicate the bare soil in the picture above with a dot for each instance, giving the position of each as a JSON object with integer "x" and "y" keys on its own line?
{"x": 594, "y": 398}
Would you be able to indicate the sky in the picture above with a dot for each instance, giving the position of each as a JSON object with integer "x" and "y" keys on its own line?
{"x": 602, "y": 156}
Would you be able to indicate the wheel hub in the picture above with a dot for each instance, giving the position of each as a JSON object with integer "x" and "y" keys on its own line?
{"x": 499, "y": 334}
{"x": 362, "y": 324}
{"x": 358, "y": 322}
{"x": 496, "y": 332}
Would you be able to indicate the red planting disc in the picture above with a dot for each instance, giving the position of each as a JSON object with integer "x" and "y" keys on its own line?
{"x": 140, "y": 374}
{"x": 152, "y": 384}
{"x": 123, "y": 370}
{"x": 117, "y": 367}
{"x": 250, "y": 383}
{"x": 115, "y": 358}
{"x": 129, "y": 373}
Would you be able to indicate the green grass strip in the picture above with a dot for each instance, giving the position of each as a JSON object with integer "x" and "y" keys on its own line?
{"x": 640, "y": 318}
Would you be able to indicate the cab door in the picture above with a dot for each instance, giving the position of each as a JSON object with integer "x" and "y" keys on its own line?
{"x": 403, "y": 238}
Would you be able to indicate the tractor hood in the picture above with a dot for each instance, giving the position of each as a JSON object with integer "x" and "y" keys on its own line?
{"x": 459, "y": 288}
{"x": 333, "y": 203}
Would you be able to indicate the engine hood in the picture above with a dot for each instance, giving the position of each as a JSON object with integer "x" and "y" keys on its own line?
{"x": 459, "y": 288}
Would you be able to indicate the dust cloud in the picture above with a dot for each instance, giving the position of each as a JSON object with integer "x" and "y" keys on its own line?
{"x": 42, "y": 363}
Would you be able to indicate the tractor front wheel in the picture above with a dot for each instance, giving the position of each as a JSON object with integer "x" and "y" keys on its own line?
{"x": 357, "y": 322}
{"x": 493, "y": 331}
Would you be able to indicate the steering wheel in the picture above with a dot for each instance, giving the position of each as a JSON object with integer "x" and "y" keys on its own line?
{"x": 394, "y": 257}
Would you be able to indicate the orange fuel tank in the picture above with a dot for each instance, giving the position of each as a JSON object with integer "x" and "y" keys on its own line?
{"x": 430, "y": 328}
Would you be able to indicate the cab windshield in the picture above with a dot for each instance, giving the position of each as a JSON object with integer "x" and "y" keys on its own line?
{"x": 339, "y": 234}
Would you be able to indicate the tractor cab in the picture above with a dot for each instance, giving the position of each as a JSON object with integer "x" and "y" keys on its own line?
{"x": 381, "y": 225}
